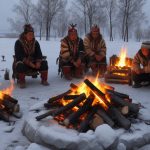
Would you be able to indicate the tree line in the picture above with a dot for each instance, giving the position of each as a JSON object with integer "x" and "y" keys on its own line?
{"x": 116, "y": 18}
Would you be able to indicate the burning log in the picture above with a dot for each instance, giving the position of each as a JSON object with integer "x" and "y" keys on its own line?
{"x": 54, "y": 104}
{"x": 124, "y": 96}
{"x": 49, "y": 113}
{"x": 69, "y": 97}
{"x": 5, "y": 96}
{"x": 75, "y": 102}
{"x": 101, "y": 112}
{"x": 55, "y": 98}
{"x": 4, "y": 115}
{"x": 119, "y": 81}
{"x": 97, "y": 121}
{"x": 62, "y": 109}
{"x": 84, "y": 126}
{"x": 134, "y": 108}
{"x": 117, "y": 76}
{"x": 74, "y": 117}
{"x": 121, "y": 120}
{"x": 60, "y": 96}
{"x": 9, "y": 106}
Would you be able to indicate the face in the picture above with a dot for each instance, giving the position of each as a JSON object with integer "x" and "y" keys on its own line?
{"x": 29, "y": 36}
{"x": 145, "y": 51}
{"x": 73, "y": 36}
{"x": 94, "y": 34}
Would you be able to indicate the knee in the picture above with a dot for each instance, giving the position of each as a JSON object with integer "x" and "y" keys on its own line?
{"x": 44, "y": 65}
{"x": 20, "y": 67}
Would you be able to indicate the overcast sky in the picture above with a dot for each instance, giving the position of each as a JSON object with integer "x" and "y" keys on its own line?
{"x": 6, "y": 7}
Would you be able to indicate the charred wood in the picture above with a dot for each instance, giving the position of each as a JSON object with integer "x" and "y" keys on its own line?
{"x": 75, "y": 116}
{"x": 75, "y": 102}
{"x": 119, "y": 118}
{"x": 84, "y": 126}
{"x": 55, "y": 98}
{"x": 101, "y": 112}
{"x": 69, "y": 97}
{"x": 121, "y": 95}
{"x": 134, "y": 108}
{"x": 7, "y": 97}
{"x": 4, "y": 115}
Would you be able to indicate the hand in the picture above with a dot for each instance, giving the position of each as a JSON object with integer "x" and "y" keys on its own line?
{"x": 77, "y": 63}
{"x": 140, "y": 71}
{"x": 98, "y": 57}
{"x": 32, "y": 65}
{"x": 37, "y": 65}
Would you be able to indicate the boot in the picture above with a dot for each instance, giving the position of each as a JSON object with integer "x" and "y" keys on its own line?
{"x": 67, "y": 72}
{"x": 21, "y": 80}
{"x": 94, "y": 69}
{"x": 44, "y": 75}
{"x": 79, "y": 71}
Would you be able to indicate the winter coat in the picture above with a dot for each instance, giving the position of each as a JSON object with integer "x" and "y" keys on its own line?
{"x": 94, "y": 46}
{"x": 26, "y": 52}
{"x": 71, "y": 50}
{"x": 141, "y": 61}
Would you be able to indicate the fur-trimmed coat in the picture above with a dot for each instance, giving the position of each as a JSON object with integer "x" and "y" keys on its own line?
{"x": 26, "y": 52}
{"x": 93, "y": 46}
{"x": 71, "y": 50}
{"x": 140, "y": 61}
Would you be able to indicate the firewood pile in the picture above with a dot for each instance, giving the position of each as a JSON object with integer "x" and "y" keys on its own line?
{"x": 117, "y": 73}
{"x": 89, "y": 105}
{"x": 8, "y": 107}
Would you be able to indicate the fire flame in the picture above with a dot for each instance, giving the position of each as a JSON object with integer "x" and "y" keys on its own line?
{"x": 8, "y": 90}
{"x": 82, "y": 88}
{"x": 122, "y": 58}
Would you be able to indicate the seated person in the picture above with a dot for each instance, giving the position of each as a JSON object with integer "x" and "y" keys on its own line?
{"x": 95, "y": 49}
{"x": 141, "y": 66}
{"x": 71, "y": 54}
{"x": 28, "y": 56}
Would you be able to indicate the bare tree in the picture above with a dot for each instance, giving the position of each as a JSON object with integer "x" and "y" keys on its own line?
{"x": 50, "y": 9}
{"x": 129, "y": 11}
{"x": 110, "y": 6}
{"x": 60, "y": 23}
{"x": 24, "y": 14}
{"x": 24, "y": 10}
{"x": 38, "y": 17}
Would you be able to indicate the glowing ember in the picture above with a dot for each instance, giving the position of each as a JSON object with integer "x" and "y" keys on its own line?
{"x": 8, "y": 90}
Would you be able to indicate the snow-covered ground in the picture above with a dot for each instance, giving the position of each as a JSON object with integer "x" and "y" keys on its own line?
{"x": 36, "y": 93}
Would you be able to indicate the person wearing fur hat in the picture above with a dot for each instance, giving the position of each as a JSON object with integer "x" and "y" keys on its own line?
{"x": 71, "y": 54}
{"x": 29, "y": 56}
{"x": 141, "y": 66}
{"x": 95, "y": 49}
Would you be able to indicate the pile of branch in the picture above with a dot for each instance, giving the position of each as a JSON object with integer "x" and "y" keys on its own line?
{"x": 83, "y": 112}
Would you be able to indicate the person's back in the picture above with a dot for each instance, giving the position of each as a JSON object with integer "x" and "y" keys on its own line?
{"x": 28, "y": 56}
{"x": 95, "y": 49}
{"x": 141, "y": 66}
{"x": 71, "y": 52}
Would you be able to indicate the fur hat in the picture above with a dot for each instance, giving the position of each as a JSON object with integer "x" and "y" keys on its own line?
{"x": 146, "y": 44}
{"x": 28, "y": 28}
{"x": 72, "y": 28}
{"x": 95, "y": 28}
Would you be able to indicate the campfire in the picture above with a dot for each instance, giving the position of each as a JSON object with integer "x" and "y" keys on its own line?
{"x": 8, "y": 105}
{"x": 119, "y": 70}
{"x": 90, "y": 104}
